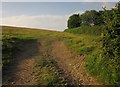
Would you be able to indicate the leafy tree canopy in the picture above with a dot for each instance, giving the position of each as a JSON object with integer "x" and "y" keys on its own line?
{"x": 74, "y": 21}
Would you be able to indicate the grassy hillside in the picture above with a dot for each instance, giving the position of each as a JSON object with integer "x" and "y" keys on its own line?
{"x": 89, "y": 30}
{"x": 14, "y": 39}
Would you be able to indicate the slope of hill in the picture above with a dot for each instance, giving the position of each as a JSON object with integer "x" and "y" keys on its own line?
{"x": 48, "y": 57}
{"x": 89, "y": 30}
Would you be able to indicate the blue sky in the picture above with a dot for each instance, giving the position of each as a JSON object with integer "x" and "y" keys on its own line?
{"x": 45, "y": 15}
{"x": 49, "y": 8}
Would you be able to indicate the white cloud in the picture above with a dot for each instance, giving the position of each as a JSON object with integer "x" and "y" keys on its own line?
{"x": 50, "y": 22}
{"x": 77, "y": 12}
{"x": 108, "y": 5}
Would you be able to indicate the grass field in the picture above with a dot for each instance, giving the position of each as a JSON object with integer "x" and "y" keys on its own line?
{"x": 88, "y": 30}
{"x": 82, "y": 44}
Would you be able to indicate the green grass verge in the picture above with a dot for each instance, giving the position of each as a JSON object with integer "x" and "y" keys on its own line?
{"x": 89, "y": 30}
{"x": 101, "y": 68}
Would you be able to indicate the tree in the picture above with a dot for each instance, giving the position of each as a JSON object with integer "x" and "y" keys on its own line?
{"x": 74, "y": 21}
{"x": 92, "y": 17}
{"x": 111, "y": 43}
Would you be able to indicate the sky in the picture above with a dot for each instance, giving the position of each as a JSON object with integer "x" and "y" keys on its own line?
{"x": 45, "y": 15}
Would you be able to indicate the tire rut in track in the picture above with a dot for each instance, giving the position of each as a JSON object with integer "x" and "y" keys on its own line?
{"x": 60, "y": 71}
{"x": 72, "y": 64}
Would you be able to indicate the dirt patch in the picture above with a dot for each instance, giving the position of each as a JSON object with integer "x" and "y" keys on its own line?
{"x": 24, "y": 72}
{"x": 58, "y": 70}
{"x": 72, "y": 64}
{"x": 68, "y": 65}
{"x": 20, "y": 73}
